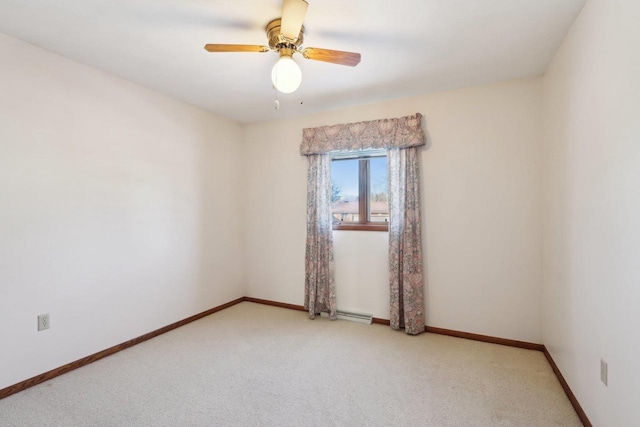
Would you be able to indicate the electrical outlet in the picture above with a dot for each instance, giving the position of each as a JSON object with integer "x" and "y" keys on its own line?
{"x": 604, "y": 367}
{"x": 43, "y": 322}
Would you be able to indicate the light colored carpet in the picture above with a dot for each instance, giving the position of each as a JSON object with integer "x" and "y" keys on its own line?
{"x": 255, "y": 365}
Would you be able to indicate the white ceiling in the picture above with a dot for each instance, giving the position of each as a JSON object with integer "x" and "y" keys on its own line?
{"x": 408, "y": 47}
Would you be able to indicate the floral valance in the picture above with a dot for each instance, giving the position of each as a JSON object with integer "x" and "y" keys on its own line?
{"x": 402, "y": 132}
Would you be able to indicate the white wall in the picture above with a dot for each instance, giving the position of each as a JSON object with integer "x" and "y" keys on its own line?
{"x": 119, "y": 210}
{"x": 592, "y": 210}
{"x": 481, "y": 204}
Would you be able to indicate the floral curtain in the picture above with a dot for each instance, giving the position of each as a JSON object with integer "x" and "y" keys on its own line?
{"x": 320, "y": 292}
{"x": 405, "y": 246}
{"x": 399, "y": 133}
{"x": 401, "y": 137}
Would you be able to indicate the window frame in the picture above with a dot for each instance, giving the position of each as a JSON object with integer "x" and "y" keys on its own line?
{"x": 364, "y": 187}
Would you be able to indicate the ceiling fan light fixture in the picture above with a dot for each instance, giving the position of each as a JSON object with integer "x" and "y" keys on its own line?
{"x": 286, "y": 36}
{"x": 286, "y": 75}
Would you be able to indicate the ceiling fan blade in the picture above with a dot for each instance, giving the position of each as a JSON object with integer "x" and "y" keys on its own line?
{"x": 293, "y": 13}
{"x": 334, "y": 56}
{"x": 235, "y": 48}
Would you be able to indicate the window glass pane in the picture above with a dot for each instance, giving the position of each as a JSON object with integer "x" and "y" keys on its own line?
{"x": 344, "y": 190}
{"x": 378, "y": 201}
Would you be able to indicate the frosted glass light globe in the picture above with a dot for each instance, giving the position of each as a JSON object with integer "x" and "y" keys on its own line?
{"x": 286, "y": 75}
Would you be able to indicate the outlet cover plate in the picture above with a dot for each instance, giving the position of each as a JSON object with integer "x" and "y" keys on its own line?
{"x": 604, "y": 368}
{"x": 43, "y": 322}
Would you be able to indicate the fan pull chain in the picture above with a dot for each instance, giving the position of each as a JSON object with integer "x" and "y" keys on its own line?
{"x": 276, "y": 103}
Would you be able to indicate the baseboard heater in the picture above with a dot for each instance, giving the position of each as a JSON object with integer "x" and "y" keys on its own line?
{"x": 352, "y": 317}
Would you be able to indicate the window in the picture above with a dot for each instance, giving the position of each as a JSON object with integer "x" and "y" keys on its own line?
{"x": 359, "y": 191}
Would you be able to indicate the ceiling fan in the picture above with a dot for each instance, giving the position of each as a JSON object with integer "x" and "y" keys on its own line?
{"x": 285, "y": 36}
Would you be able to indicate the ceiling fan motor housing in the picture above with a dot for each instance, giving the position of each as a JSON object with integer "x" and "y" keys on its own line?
{"x": 278, "y": 41}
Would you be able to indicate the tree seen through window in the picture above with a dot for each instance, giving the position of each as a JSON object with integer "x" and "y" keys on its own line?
{"x": 359, "y": 193}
